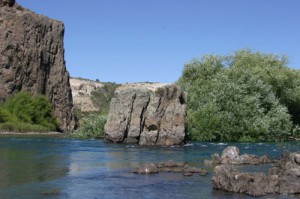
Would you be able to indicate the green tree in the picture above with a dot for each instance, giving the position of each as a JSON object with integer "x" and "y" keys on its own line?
{"x": 274, "y": 71}
{"x": 238, "y": 97}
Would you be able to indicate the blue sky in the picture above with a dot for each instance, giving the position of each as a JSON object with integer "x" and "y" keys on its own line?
{"x": 151, "y": 40}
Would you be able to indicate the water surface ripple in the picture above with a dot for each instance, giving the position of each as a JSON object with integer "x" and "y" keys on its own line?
{"x": 45, "y": 167}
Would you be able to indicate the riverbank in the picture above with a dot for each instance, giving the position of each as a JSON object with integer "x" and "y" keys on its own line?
{"x": 33, "y": 133}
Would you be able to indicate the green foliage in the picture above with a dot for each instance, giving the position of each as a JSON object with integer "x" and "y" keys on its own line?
{"x": 22, "y": 127}
{"x": 24, "y": 112}
{"x": 296, "y": 132}
{"x": 92, "y": 123}
{"x": 91, "y": 127}
{"x": 242, "y": 97}
{"x": 273, "y": 70}
{"x": 101, "y": 98}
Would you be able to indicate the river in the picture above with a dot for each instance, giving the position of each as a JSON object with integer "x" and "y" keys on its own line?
{"x": 49, "y": 167}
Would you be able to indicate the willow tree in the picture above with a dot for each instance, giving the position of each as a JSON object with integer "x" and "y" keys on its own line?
{"x": 247, "y": 96}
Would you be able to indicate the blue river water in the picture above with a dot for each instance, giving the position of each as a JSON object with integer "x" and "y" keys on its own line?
{"x": 49, "y": 167}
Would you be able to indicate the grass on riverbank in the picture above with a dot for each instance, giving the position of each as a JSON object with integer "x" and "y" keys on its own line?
{"x": 22, "y": 127}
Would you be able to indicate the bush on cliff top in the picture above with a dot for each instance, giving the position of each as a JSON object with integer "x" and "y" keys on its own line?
{"x": 246, "y": 96}
{"x": 25, "y": 112}
{"x": 101, "y": 97}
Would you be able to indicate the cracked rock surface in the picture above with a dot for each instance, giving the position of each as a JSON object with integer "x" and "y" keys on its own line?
{"x": 32, "y": 59}
{"x": 148, "y": 115}
{"x": 283, "y": 178}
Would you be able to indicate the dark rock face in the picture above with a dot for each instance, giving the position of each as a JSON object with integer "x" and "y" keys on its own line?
{"x": 170, "y": 166}
{"x": 231, "y": 155}
{"x": 284, "y": 178}
{"x": 155, "y": 116}
{"x": 7, "y": 3}
{"x": 32, "y": 59}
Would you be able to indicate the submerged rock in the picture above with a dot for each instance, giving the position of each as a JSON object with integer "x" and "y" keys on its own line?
{"x": 231, "y": 155}
{"x": 283, "y": 178}
{"x": 146, "y": 169}
{"x": 170, "y": 166}
{"x": 147, "y": 114}
{"x": 187, "y": 174}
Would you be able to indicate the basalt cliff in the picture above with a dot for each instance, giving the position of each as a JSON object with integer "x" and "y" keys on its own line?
{"x": 32, "y": 59}
{"x": 147, "y": 114}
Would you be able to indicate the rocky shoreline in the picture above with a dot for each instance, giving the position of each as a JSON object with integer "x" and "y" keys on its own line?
{"x": 282, "y": 178}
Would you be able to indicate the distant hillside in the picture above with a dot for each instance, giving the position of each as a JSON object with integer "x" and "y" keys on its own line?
{"x": 91, "y": 96}
{"x": 94, "y": 97}
{"x": 152, "y": 86}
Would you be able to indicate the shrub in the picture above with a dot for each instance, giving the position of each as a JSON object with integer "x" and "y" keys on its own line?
{"x": 296, "y": 132}
{"x": 91, "y": 127}
{"x": 24, "y": 112}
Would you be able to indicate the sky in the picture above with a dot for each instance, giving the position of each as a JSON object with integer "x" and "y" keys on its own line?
{"x": 151, "y": 40}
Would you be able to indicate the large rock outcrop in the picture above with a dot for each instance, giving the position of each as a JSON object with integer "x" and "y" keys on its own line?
{"x": 32, "y": 59}
{"x": 283, "y": 178}
{"x": 147, "y": 114}
{"x": 7, "y": 3}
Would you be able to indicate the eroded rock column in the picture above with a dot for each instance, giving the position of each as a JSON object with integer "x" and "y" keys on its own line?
{"x": 147, "y": 114}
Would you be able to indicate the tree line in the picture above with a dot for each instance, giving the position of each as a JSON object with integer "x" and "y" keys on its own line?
{"x": 246, "y": 97}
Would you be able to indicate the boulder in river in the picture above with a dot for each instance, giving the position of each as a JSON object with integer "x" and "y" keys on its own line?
{"x": 283, "y": 178}
{"x": 148, "y": 114}
{"x": 169, "y": 166}
{"x": 231, "y": 155}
